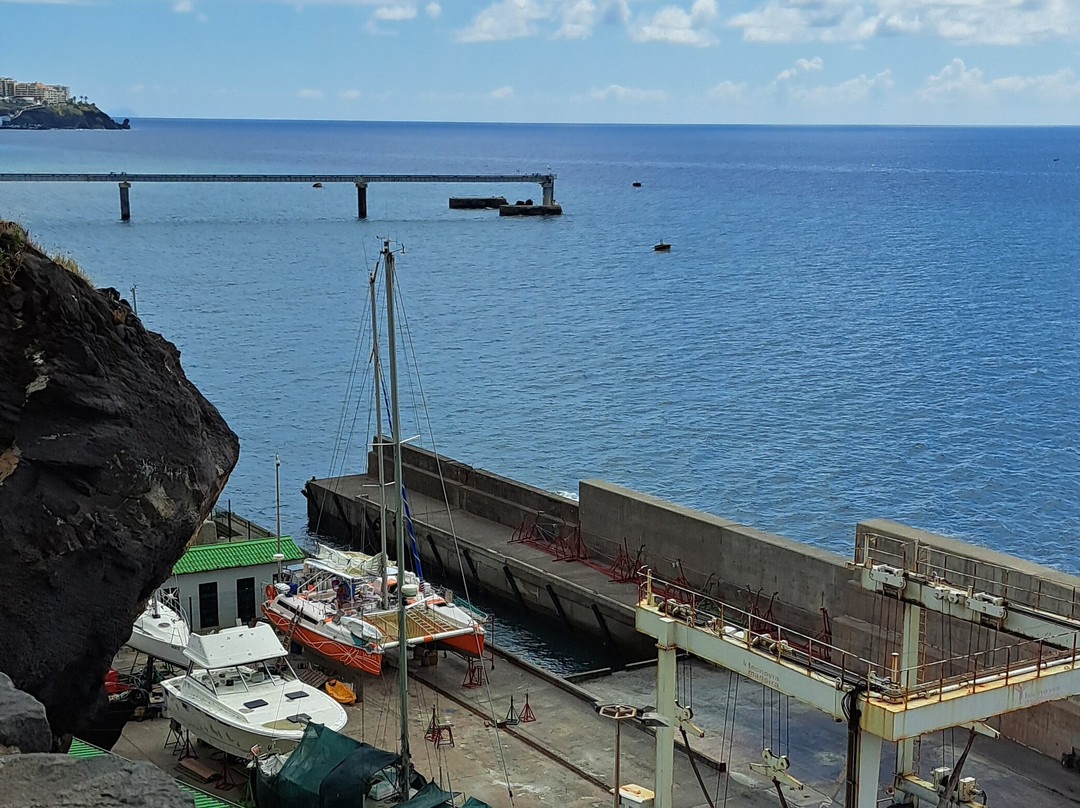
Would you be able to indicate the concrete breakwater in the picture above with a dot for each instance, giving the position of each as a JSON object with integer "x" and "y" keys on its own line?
{"x": 574, "y": 562}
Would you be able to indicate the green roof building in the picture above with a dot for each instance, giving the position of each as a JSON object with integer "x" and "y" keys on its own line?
{"x": 221, "y": 585}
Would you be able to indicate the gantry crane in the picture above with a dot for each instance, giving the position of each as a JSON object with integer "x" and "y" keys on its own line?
{"x": 896, "y": 702}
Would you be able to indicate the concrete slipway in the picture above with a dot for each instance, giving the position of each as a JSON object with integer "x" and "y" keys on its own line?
{"x": 566, "y": 756}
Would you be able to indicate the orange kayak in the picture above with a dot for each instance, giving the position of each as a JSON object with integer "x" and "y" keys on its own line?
{"x": 340, "y": 692}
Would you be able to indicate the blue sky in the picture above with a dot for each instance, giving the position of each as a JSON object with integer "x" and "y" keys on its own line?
{"x": 638, "y": 61}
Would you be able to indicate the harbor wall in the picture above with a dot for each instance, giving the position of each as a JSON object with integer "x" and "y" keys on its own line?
{"x": 476, "y": 491}
{"x": 745, "y": 567}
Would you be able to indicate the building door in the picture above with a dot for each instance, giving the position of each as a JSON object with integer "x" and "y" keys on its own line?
{"x": 208, "y": 605}
{"x": 245, "y": 599}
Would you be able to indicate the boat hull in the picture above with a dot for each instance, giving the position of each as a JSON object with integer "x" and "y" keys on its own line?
{"x": 469, "y": 644}
{"x": 161, "y": 632}
{"x": 159, "y": 649}
{"x": 227, "y": 738}
{"x": 350, "y": 656}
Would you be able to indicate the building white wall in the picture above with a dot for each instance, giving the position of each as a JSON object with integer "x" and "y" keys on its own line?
{"x": 226, "y": 580}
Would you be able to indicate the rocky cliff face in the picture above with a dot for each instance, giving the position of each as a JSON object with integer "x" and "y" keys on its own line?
{"x": 64, "y": 116}
{"x": 109, "y": 461}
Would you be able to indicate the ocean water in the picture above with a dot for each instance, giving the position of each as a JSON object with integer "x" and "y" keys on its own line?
{"x": 851, "y": 323}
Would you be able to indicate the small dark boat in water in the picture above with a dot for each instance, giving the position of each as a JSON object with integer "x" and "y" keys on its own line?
{"x": 316, "y": 185}
{"x": 637, "y": 184}
{"x": 663, "y": 246}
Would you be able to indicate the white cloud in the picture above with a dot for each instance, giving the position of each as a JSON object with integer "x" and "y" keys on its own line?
{"x": 801, "y": 66}
{"x": 309, "y": 94}
{"x": 502, "y": 92}
{"x": 999, "y": 22}
{"x": 957, "y": 80}
{"x": 633, "y": 94}
{"x": 507, "y": 19}
{"x": 433, "y": 10}
{"x": 395, "y": 13}
{"x": 578, "y": 19}
{"x": 851, "y": 91}
{"x": 726, "y": 91}
{"x": 560, "y": 19}
{"x": 183, "y": 6}
{"x": 350, "y": 94}
{"x": 676, "y": 26}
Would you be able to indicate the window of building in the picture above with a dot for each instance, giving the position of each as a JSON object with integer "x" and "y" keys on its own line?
{"x": 245, "y": 599}
{"x": 208, "y": 605}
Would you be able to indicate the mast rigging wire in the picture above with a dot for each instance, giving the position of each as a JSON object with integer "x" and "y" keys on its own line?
{"x": 411, "y": 351}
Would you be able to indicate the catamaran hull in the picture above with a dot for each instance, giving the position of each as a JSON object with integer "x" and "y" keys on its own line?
{"x": 469, "y": 644}
{"x": 349, "y": 655}
{"x": 227, "y": 738}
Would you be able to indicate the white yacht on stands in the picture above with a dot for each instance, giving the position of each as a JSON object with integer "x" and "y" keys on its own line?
{"x": 161, "y": 632}
{"x": 240, "y": 692}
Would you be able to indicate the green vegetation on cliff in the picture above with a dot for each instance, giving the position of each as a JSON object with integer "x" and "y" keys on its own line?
{"x": 58, "y": 116}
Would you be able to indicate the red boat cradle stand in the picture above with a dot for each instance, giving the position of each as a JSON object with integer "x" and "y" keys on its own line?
{"x": 474, "y": 676}
{"x": 439, "y": 734}
{"x": 526, "y": 711}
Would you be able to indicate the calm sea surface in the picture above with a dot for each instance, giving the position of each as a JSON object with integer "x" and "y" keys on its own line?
{"x": 852, "y": 322}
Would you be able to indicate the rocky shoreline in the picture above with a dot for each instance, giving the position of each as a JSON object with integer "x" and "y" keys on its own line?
{"x": 62, "y": 116}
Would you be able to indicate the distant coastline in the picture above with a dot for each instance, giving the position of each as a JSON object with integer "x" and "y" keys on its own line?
{"x": 70, "y": 115}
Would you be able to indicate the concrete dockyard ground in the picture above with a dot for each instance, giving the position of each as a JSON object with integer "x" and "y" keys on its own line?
{"x": 566, "y": 757}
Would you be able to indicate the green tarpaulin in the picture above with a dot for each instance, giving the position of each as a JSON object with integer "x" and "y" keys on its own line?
{"x": 429, "y": 796}
{"x": 324, "y": 765}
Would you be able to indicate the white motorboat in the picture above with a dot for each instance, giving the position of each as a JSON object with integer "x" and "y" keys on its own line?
{"x": 241, "y": 692}
{"x": 162, "y": 632}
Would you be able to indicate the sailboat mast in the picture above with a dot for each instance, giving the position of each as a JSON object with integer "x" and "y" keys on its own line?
{"x": 384, "y": 597}
{"x": 399, "y": 524}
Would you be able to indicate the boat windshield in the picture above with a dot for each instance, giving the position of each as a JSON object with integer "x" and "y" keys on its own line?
{"x": 276, "y": 672}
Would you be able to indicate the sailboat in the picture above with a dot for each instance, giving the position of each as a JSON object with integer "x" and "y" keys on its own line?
{"x": 240, "y": 691}
{"x": 333, "y": 605}
{"x": 339, "y": 603}
{"x": 161, "y": 631}
{"x": 328, "y": 768}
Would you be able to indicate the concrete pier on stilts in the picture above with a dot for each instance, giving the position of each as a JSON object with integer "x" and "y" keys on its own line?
{"x": 125, "y": 202}
{"x": 361, "y": 181}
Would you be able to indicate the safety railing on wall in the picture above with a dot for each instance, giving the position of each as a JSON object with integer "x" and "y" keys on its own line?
{"x": 932, "y": 680}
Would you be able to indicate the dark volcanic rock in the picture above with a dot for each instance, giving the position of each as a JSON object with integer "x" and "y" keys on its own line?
{"x": 64, "y": 116}
{"x": 109, "y": 461}
{"x": 46, "y": 781}
{"x": 23, "y": 725}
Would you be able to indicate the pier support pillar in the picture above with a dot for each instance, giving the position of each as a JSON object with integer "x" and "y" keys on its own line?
{"x": 125, "y": 202}
{"x": 548, "y": 187}
{"x": 361, "y": 200}
{"x": 908, "y": 750}
{"x": 665, "y": 706}
{"x": 867, "y": 771}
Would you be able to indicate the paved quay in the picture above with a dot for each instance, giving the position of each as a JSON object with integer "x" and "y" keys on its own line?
{"x": 566, "y": 756}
